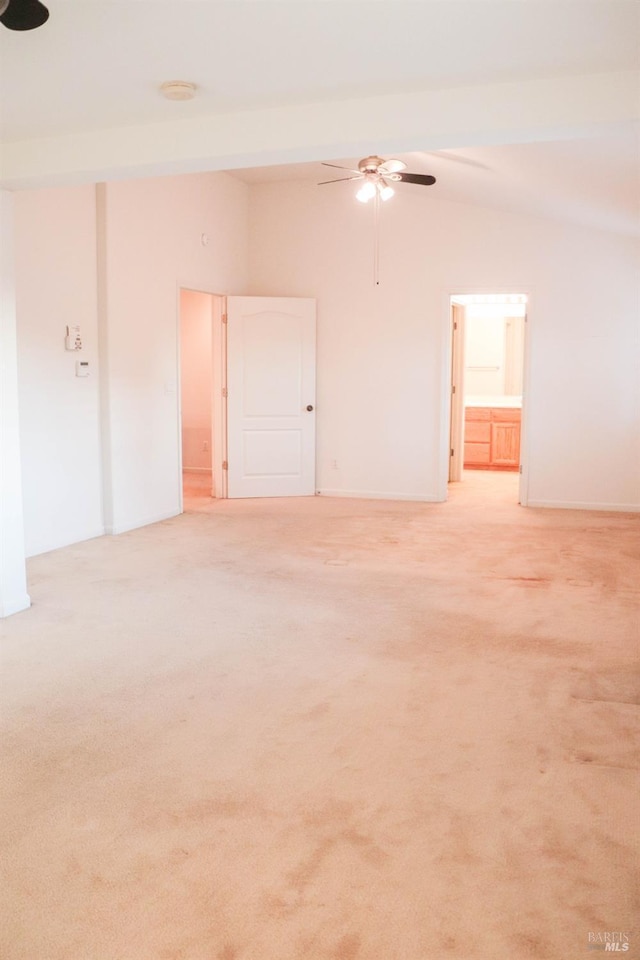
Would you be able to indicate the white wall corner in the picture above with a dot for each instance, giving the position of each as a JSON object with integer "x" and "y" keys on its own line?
{"x": 15, "y": 605}
{"x": 13, "y": 577}
{"x": 127, "y": 525}
{"x": 103, "y": 355}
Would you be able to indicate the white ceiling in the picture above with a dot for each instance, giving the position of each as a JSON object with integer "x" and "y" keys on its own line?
{"x": 591, "y": 181}
{"x": 97, "y": 66}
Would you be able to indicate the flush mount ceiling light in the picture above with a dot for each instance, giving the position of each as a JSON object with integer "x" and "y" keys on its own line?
{"x": 23, "y": 14}
{"x": 178, "y": 90}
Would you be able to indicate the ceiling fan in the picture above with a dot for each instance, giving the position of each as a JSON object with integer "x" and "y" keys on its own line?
{"x": 377, "y": 176}
{"x": 23, "y": 14}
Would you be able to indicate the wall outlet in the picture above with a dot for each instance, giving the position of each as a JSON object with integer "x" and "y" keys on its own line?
{"x": 205, "y": 446}
{"x": 334, "y": 464}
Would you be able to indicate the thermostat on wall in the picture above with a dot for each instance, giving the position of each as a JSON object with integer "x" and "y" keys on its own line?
{"x": 82, "y": 368}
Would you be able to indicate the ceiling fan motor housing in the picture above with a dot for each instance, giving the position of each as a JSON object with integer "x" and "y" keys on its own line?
{"x": 370, "y": 164}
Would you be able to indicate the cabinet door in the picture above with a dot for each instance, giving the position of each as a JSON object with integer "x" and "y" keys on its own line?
{"x": 477, "y": 431}
{"x": 477, "y": 413}
{"x": 505, "y": 444}
{"x": 477, "y": 454}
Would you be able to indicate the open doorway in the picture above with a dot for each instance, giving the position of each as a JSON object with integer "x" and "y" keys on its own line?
{"x": 487, "y": 390}
{"x": 202, "y": 388}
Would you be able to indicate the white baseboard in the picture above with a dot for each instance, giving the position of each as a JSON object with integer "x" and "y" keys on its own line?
{"x": 59, "y": 545}
{"x": 578, "y": 505}
{"x": 378, "y": 495}
{"x": 143, "y": 522}
{"x": 17, "y": 605}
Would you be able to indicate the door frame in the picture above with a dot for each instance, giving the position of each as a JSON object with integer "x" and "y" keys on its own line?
{"x": 456, "y": 394}
{"x": 447, "y": 383}
{"x": 218, "y": 389}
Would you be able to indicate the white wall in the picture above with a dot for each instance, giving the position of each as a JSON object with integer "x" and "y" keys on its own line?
{"x": 493, "y": 349}
{"x": 196, "y": 378}
{"x": 153, "y": 247}
{"x": 13, "y": 583}
{"x": 484, "y": 353}
{"x": 382, "y": 352}
{"x": 115, "y": 267}
{"x": 59, "y": 416}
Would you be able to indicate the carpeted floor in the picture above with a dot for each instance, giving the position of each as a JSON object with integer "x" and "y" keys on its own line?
{"x": 326, "y": 729}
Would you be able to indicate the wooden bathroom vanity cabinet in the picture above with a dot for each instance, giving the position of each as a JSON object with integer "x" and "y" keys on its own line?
{"x": 492, "y": 438}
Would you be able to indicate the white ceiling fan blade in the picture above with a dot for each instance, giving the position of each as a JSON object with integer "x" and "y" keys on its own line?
{"x": 339, "y": 180}
{"x": 338, "y": 167}
{"x": 391, "y": 166}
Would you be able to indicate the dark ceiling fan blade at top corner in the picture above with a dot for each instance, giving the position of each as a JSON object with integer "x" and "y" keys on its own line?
{"x": 424, "y": 178}
{"x": 23, "y": 14}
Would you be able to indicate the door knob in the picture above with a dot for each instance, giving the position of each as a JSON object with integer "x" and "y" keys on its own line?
{"x": 309, "y": 408}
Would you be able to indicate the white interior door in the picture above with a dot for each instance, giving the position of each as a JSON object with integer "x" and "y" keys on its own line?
{"x": 271, "y": 373}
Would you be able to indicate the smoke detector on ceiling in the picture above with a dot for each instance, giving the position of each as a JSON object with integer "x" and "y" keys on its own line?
{"x": 178, "y": 90}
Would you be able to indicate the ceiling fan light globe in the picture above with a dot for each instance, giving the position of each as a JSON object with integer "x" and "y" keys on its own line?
{"x": 366, "y": 192}
{"x": 386, "y": 193}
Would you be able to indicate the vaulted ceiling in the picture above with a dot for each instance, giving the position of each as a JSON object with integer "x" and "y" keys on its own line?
{"x": 537, "y": 101}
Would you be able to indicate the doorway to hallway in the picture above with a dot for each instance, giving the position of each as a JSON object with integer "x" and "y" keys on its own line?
{"x": 247, "y": 396}
{"x": 202, "y": 419}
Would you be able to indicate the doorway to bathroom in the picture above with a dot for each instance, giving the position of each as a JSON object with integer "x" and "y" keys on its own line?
{"x": 488, "y": 337}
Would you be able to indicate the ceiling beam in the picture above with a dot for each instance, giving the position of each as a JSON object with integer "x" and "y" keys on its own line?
{"x": 559, "y": 108}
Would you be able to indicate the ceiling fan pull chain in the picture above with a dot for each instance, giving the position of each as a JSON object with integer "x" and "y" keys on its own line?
{"x": 376, "y": 240}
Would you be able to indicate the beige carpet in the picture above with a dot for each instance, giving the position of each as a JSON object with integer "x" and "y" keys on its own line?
{"x": 275, "y": 730}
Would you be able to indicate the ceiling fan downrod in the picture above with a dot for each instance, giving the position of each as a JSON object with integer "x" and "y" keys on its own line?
{"x": 377, "y": 175}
